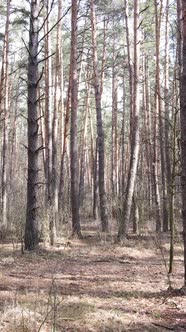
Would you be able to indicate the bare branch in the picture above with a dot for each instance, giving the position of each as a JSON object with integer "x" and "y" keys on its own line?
{"x": 47, "y": 16}
{"x": 68, "y": 9}
{"x": 23, "y": 79}
{"x": 40, "y": 11}
{"x": 39, "y": 98}
{"x": 24, "y": 117}
{"x": 49, "y": 56}
{"x": 40, "y": 50}
{"x": 40, "y": 77}
{"x": 27, "y": 48}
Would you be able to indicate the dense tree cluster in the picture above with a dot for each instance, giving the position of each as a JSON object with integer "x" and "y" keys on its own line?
{"x": 90, "y": 109}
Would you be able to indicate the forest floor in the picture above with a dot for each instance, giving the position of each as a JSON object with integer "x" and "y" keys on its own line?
{"x": 92, "y": 285}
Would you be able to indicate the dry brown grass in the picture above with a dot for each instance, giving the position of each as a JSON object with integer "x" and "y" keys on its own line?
{"x": 92, "y": 285}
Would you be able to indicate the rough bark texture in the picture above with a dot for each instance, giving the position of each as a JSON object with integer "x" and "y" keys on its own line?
{"x": 159, "y": 112}
{"x": 130, "y": 67}
{"x": 83, "y": 146}
{"x": 100, "y": 132}
{"x": 32, "y": 218}
{"x": 124, "y": 222}
{"x": 64, "y": 147}
{"x": 155, "y": 167}
{"x": 122, "y": 189}
{"x": 95, "y": 190}
{"x": 73, "y": 132}
{"x": 148, "y": 133}
{"x": 183, "y": 131}
{"x": 4, "y": 100}
{"x": 114, "y": 160}
{"x": 57, "y": 115}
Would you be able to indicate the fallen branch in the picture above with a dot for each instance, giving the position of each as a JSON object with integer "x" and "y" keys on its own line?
{"x": 164, "y": 326}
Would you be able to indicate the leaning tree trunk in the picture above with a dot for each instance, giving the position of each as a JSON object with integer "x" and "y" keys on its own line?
{"x": 32, "y": 219}
{"x": 124, "y": 222}
{"x": 73, "y": 133}
{"x": 100, "y": 132}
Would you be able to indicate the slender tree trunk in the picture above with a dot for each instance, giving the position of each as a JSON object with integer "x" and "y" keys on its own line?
{"x": 83, "y": 143}
{"x": 95, "y": 196}
{"x": 155, "y": 179}
{"x": 123, "y": 141}
{"x": 148, "y": 132}
{"x": 160, "y": 115}
{"x": 58, "y": 102}
{"x": 172, "y": 191}
{"x": 48, "y": 109}
{"x": 59, "y": 70}
{"x": 183, "y": 131}
{"x": 100, "y": 132}
{"x": 157, "y": 116}
{"x": 32, "y": 219}
{"x": 135, "y": 215}
{"x": 167, "y": 113}
{"x": 64, "y": 148}
{"x": 130, "y": 66}
{"x": 4, "y": 107}
{"x": 73, "y": 132}
{"x": 114, "y": 155}
{"x": 93, "y": 158}
{"x": 124, "y": 223}
{"x": 103, "y": 54}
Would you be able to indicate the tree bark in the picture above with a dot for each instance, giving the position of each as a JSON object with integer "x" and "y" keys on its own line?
{"x": 126, "y": 211}
{"x": 83, "y": 142}
{"x": 64, "y": 147}
{"x": 183, "y": 131}
{"x": 31, "y": 237}
{"x": 76, "y": 230}
{"x": 4, "y": 101}
{"x": 160, "y": 115}
{"x": 114, "y": 155}
{"x": 100, "y": 132}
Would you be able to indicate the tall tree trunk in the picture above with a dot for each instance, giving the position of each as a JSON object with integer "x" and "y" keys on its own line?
{"x": 130, "y": 66}
{"x": 114, "y": 155}
{"x": 148, "y": 132}
{"x": 167, "y": 112}
{"x": 183, "y": 131}
{"x": 100, "y": 132}
{"x": 157, "y": 117}
{"x": 58, "y": 107}
{"x": 48, "y": 108}
{"x": 123, "y": 140}
{"x": 95, "y": 188}
{"x": 172, "y": 189}
{"x": 4, "y": 101}
{"x": 159, "y": 113}
{"x": 83, "y": 142}
{"x": 64, "y": 147}
{"x": 124, "y": 222}
{"x": 31, "y": 237}
{"x": 73, "y": 132}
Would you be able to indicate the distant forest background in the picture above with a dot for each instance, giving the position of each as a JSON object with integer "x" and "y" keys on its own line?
{"x": 91, "y": 97}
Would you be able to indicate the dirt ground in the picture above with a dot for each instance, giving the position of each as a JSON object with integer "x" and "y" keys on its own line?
{"x": 92, "y": 285}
